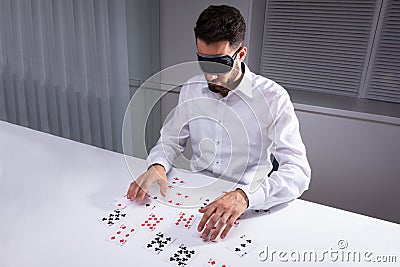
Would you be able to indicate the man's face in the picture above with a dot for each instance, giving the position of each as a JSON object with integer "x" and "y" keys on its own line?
{"x": 221, "y": 82}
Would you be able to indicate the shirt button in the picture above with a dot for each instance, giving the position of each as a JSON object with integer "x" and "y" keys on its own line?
{"x": 218, "y": 142}
{"x": 217, "y": 162}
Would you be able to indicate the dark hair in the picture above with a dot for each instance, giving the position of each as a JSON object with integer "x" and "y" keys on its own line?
{"x": 221, "y": 23}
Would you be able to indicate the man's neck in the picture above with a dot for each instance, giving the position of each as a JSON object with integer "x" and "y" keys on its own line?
{"x": 235, "y": 83}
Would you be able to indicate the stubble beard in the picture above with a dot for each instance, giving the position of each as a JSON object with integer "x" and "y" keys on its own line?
{"x": 224, "y": 87}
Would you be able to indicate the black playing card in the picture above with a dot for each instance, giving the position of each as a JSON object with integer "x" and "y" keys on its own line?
{"x": 242, "y": 246}
{"x": 182, "y": 256}
{"x": 204, "y": 202}
{"x": 113, "y": 217}
{"x": 159, "y": 243}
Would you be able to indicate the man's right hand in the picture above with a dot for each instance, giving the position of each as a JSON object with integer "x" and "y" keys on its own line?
{"x": 155, "y": 174}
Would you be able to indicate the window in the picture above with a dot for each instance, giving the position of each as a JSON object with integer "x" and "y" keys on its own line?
{"x": 344, "y": 47}
{"x": 384, "y": 80}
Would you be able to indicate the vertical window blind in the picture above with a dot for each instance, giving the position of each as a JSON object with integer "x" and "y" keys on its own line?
{"x": 64, "y": 68}
{"x": 325, "y": 46}
{"x": 384, "y": 83}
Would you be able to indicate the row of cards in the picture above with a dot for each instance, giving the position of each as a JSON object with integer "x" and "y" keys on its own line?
{"x": 183, "y": 254}
{"x": 150, "y": 219}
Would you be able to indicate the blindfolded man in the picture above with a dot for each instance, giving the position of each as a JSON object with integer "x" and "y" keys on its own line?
{"x": 248, "y": 117}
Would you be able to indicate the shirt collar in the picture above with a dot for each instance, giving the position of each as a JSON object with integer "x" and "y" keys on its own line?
{"x": 246, "y": 85}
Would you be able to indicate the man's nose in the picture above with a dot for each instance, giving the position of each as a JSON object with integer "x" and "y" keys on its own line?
{"x": 211, "y": 77}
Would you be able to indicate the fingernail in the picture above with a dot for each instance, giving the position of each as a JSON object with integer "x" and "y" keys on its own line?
{"x": 212, "y": 237}
{"x": 199, "y": 229}
{"x": 222, "y": 236}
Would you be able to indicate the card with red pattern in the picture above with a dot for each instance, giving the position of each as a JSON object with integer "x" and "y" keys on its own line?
{"x": 216, "y": 263}
{"x": 185, "y": 219}
{"x": 121, "y": 234}
{"x": 151, "y": 222}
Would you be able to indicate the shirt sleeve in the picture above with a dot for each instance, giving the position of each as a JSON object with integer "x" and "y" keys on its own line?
{"x": 294, "y": 173}
{"x": 173, "y": 135}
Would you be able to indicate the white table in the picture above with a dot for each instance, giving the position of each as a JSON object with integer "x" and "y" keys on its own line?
{"x": 53, "y": 189}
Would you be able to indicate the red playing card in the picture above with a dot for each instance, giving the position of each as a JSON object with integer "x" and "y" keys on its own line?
{"x": 216, "y": 263}
{"x": 178, "y": 194}
{"x": 177, "y": 181}
{"x": 175, "y": 203}
{"x": 185, "y": 219}
{"x": 121, "y": 235}
{"x": 152, "y": 222}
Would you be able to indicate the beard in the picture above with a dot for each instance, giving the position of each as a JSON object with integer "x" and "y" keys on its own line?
{"x": 217, "y": 88}
{"x": 223, "y": 88}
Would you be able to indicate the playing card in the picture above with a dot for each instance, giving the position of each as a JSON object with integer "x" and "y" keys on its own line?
{"x": 123, "y": 202}
{"x": 174, "y": 202}
{"x": 121, "y": 234}
{"x": 181, "y": 197}
{"x": 204, "y": 202}
{"x": 216, "y": 263}
{"x": 176, "y": 181}
{"x": 159, "y": 243}
{"x": 113, "y": 217}
{"x": 182, "y": 256}
{"x": 198, "y": 240}
{"x": 149, "y": 202}
{"x": 151, "y": 222}
{"x": 242, "y": 246}
{"x": 185, "y": 219}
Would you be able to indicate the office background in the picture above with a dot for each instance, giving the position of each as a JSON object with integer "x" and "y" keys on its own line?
{"x": 69, "y": 68}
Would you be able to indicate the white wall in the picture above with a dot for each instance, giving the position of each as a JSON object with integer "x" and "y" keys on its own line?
{"x": 177, "y": 21}
{"x": 354, "y": 162}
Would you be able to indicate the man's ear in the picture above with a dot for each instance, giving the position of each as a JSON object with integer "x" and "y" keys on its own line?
{"x": 242, "y": 54}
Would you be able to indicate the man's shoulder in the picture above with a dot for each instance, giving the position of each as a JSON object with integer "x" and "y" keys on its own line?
{"x": 268, "y": 87}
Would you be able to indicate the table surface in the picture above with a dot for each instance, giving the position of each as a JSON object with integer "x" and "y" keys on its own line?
{"x": 53, "y": 190}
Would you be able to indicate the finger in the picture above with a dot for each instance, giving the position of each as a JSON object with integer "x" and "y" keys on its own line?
{"x": 227, "y": 228}
{"x": 211, "y": 222}
{"x": 229, "y": 225}
{"x": 142, "y": 194}
{"x": 206, "y": 207}
{"x": 163, "y": 187}
{"x": 135, "y": 188}
{"x": 129, "y": 192}
{"x": 222, "y": 221}
{"x": 204, "y": 219}
{"x": 143, "y": 189}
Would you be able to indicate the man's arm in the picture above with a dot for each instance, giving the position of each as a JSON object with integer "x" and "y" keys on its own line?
{"x": 171, "y": 143}
{"x": 289, "y": 182}
{"x": 294, "y": 173}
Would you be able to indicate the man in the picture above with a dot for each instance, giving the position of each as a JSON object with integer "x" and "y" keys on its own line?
{"x": 247, "y": 116}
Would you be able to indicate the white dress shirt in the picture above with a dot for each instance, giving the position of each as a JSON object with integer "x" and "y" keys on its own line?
{"x": 233, "y": 137}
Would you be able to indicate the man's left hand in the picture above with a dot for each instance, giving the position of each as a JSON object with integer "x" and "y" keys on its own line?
{"x": 223, "y": 211}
